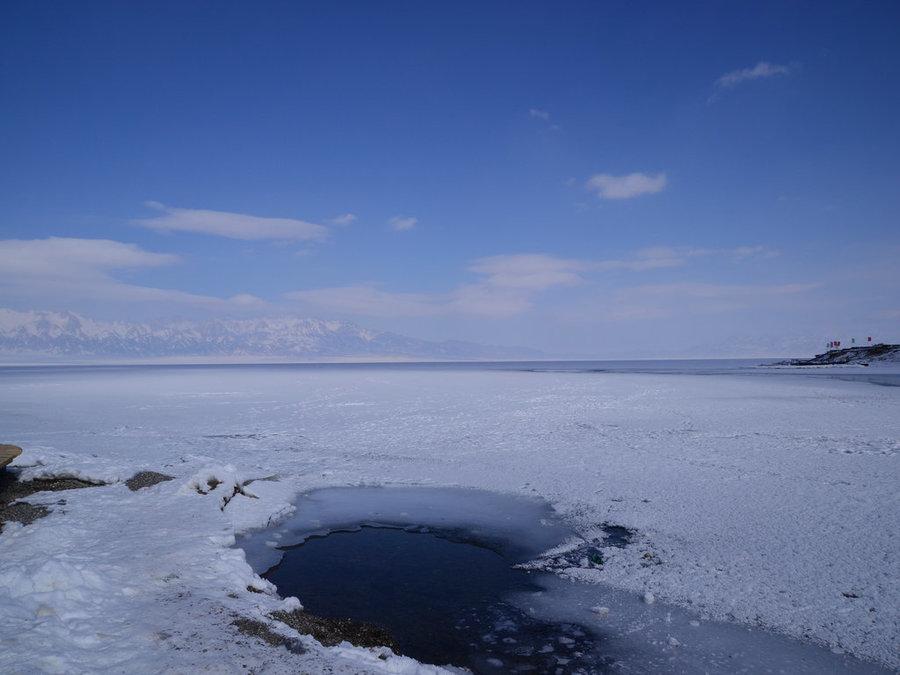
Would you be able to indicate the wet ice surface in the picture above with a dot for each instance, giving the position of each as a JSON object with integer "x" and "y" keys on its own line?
{"x": 438, "y": 568}
{"x": 432, "y": 565}
{"x": 519, "y": 528}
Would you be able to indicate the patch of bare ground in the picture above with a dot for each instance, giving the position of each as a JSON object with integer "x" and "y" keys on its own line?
{"x": 332, "y": 632}
{"x": 260, "y": 630}
{"x": 145, "y": 479}
{"x": 12, "y": 490}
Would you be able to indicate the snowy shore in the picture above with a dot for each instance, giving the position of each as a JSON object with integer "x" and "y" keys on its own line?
{"x": 768, "y": 500}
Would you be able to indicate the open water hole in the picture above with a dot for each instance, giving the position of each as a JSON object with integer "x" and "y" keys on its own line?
{"x": 442, "y": 600}
{"x": 436, "y": 567}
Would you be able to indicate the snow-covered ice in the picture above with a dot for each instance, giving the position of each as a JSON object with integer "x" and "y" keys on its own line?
{"x": 766, "y": 500}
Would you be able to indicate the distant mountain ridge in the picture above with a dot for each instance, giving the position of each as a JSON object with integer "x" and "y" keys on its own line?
{"x": 65, "y": 334}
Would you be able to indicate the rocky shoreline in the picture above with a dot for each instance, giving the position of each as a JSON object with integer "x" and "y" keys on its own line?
{"x": 860, "y": 356}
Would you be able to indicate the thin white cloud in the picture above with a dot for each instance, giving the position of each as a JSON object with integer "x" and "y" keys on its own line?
{"x": 544, "y": 116}
{"x": 74, "y": 269}
{"x": 344, "y": 219}
{"x": 402, "y": 223}
{"x": 70, "y": 257}
{"x": 482, "y": 300}
{"x": 657, "y": 257}
{"x": 368, "y": 300}
{"x": 486, "y": 301}
{"x": 529, "y": 271}
{"x": 507, "y": 285}
{"x": 761, "y": 70}
{"x": 607, "y": 186}
{"x": 651, "y": 301}
{"x": 246, "y": 300}
{"x": 649, "y": 259}
{"x": 744, "y": 252}
{"x": 231, "y": 225}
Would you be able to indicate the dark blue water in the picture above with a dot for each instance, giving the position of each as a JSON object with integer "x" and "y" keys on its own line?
{"x": 442, "y": 600}
{"x": 437, "y": 568}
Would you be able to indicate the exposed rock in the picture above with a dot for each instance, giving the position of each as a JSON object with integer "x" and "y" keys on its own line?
{"x": 331, "y": 632}
{"x": 8, "y": 453}
{"x": 260, "y": 630}
{"x": 12, "y": 490}
{"x": 22, "y": 512}
{"x": 145, "y": 479}
{"x": 851, "y": 355}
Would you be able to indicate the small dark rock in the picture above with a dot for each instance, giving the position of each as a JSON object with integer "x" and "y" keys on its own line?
{"x": 260, "y": 630}
{"x": 617, "y": 535}
{"x": 12, "y": 490}
{"x": 649, "y": 558}
{"x": 22, "y": 512}
{"x": 145, "y": 479}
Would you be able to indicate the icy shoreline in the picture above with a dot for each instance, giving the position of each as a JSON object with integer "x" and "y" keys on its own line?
{"x": 756, "y": 516}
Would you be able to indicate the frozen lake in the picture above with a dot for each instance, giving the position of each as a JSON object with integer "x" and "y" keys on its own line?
{"x": 439, "y": 568}
{"x": 759, "y": 497}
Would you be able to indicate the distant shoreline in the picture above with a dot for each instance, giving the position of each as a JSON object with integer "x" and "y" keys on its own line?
{"x": 350, "y": 361}
{"x": 860, "y": 356}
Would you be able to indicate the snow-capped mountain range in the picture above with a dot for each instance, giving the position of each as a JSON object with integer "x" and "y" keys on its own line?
{"x": 57, "y": 335}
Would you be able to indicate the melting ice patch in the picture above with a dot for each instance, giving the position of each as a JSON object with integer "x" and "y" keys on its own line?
{"x": 493, "y": 616}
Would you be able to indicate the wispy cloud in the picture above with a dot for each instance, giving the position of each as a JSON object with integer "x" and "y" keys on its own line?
{"x": 544, "y": 116}
{"x": 506, "y": 285}
{"x": 744, "y": 252}
{"x": 70, "y": 257}
{"x": 529, "y": 271}
{"x": 344, "y": 219}
{"x": 231, "y": 225}
{"x": 608, "y": 186}
{"x": 657, "y": 257}
{"x": 761, "y": 70}
{"x": 651, "y": 301}
{"x": 402, "y": 223}
{"x": 489, "y": 302}
{"x": 61, "y": 268}
{"x": 368, "y": 300}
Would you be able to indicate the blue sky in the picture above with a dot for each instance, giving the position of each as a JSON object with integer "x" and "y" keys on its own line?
{"x": 606, "y": 179}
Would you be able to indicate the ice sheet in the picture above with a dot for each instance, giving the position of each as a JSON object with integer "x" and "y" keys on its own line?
{"x": 766, "y": 500}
